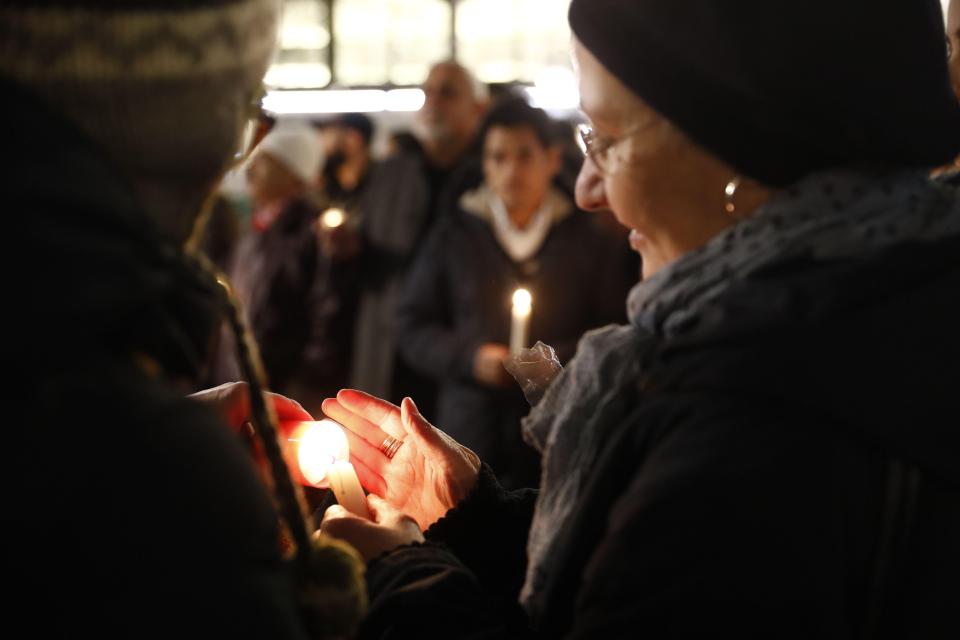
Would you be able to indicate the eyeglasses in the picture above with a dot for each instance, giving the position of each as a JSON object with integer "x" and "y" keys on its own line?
{"x": 598, "y": 148}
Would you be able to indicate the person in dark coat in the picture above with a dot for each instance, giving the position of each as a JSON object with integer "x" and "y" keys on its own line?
{"x": 768, "y": 448}
{"x": 130, "y": 509}
{"x": 402, "y": 198}
{"x": 283, "y": 277}
{"x": 517, "y": 230}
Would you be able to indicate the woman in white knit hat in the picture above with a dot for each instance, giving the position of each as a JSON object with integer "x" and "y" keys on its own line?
{"x": 138, "y": 511}
{"x": 281, "y": 276}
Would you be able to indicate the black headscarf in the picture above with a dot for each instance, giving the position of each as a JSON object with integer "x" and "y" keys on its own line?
{"x": 781, "y": 89}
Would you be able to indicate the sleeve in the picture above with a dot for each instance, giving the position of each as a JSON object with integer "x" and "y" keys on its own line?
{"x": 724, "y": 527}
{"x": 464, "y": 582}
{"x": 428, "y": 341}
{"x": 728, "y": 525}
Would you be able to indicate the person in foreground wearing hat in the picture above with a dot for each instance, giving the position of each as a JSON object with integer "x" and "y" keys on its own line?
{"x": 768, "y": 448}
{"x": 281, "y": 274}
{"x": 132, "y": 511}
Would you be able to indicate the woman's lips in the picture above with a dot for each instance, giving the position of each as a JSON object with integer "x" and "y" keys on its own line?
{"x": 636, "y": 240}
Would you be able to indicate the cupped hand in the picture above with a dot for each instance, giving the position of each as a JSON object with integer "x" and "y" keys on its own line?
{"x": 430, "y": 472}
{"x": 388, "y": 529}
{"x": 232, "y": 401}
{"x": 488, "y": 365}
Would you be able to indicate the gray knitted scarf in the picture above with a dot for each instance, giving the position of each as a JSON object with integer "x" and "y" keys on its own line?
{"x": 828, "y": 216}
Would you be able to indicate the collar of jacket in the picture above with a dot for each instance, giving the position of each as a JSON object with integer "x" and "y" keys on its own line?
{"x": 477, "y": 202}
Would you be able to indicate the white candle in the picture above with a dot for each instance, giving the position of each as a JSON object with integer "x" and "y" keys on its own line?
{"x": 322, "y": 455}
{"x": 346, "y": 487}
{"x": 520, "y": 323}
{"x": 332, "y": 218}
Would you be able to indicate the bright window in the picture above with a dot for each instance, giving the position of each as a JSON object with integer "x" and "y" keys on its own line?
{"x": 389, "y": 41}
{"x": 507, "y": 40}
{"x": 303, "y": 59}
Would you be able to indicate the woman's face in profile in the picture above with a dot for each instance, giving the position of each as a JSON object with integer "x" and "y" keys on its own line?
{"x": 660, "y": 185}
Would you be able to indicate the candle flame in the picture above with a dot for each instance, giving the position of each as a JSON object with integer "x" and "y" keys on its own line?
{"x": 332, "y": 218}
{"x": 315, "y": 446}
{"x": 522, "y": 301}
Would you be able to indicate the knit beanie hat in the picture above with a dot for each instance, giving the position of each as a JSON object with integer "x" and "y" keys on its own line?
{"x": 164, "y": 86}
{"x": 781, "y": 89}
{"x": 295, "y": 147}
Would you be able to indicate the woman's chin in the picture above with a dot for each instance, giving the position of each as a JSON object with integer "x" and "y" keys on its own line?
{"x": 638, "y": 241}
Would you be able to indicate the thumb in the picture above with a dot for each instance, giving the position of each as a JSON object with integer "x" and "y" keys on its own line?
{"x": 335, "y": 511}
{"x": 380, "y": 509}
{"x": 416, "y": 425}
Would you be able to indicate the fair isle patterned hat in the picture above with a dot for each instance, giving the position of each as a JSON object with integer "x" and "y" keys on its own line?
{"x": 163, "y": 85}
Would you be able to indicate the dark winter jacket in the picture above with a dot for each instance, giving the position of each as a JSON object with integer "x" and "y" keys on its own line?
{"x": 787, "y": 466}
{"x": 458, "y": 296}
{"x": 130, "y": 511}
{"x": 295, "y": 305}
{"x": 402, "y": 197}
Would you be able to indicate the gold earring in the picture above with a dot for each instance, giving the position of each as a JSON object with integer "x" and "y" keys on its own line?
{"x": 729, "y": 192}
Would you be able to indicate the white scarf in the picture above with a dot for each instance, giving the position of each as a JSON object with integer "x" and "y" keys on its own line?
{"x": 521, "y": 244}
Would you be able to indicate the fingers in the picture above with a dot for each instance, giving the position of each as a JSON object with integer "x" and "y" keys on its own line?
{"x": 384, "y": 513}
{"x": 340, "y": 523}
{"x": 358, "y": 425}
{"x": 336, "y": 511}
{"x": 379, "y": 412}
{"x": 380, "y": 509}
{"x": 230, "y": 399}
{"x": 287, "y": 408}
{"x": 416, "y": 425}
{"x": 370, "y": 479}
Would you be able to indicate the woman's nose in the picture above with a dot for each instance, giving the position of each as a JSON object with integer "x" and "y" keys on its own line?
{"x": 589, "y": 192}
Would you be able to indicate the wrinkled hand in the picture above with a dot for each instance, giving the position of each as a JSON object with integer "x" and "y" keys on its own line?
{"x": 430, "y": 472}
{"x": 232, "y": 401}
{"x": 488, "y": 366}
{"x": 388, "y": 530}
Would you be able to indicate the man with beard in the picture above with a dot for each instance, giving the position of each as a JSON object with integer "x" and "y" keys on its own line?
{"x": 402, "y": 199}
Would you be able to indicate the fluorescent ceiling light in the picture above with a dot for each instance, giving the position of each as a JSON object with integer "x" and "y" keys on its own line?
{"x": 342, "y": 101}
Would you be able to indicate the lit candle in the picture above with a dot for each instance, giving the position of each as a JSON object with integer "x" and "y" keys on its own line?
{"x": 319, "y": 456}
{"x": 520, "y": 324}
{"x": 332, "y": 218}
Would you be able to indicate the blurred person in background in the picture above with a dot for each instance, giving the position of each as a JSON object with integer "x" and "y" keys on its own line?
{"x": 767, "y": 449}
{"x": 347, "y": 140}
{"x": 282, "y": 276}
{"x": 405, "y": 194}
{"x": 138, "y": 511}
{"x": 515, "y": 230}
{"x": 234, "y": 185}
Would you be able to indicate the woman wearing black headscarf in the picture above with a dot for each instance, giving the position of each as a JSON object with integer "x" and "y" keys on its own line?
{"x": 763, "y": 449}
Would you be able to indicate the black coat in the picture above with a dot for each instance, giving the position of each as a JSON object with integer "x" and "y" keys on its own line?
{"x": 790, "y": 469}
{"x": 299, "y": 308}
{"x": 129, "y": 510}
{"x": 458, "y": 296}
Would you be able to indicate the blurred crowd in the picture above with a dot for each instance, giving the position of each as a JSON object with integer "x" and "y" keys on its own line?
{"x": 394, "y": 275}
{"x": 750, "y": 432}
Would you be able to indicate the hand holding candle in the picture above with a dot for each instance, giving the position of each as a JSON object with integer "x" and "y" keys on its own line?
{"x": 318, "y": 455}
{"x": 520, "y": 323}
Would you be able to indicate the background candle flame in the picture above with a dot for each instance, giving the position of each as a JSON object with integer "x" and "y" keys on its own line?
{"x": 332, "y": 218}
{"x": 522, "y": 301}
